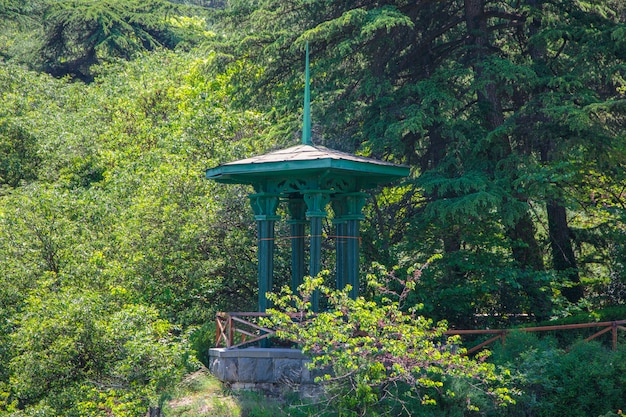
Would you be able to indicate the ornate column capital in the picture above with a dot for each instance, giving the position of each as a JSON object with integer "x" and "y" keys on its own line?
{"x": 264, "y": 206}
{"x": 349, "y": 206}
{"x": 316, "y": 201}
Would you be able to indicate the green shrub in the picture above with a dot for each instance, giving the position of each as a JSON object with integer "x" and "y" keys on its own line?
{"x": 566, "y": 338}
{"x": 201, "y": 340}
{"x": 374, "y": 359}
{"x": 586, "y": 380}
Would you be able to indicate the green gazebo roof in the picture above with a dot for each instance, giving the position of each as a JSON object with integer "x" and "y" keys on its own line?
{"x": 307, "y": 165}
{"x": 306, "y": 161}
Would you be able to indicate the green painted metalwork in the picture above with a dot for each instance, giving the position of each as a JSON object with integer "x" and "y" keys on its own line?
{"x": 352, "y": 256}
{"x": 316, "y": 202}
{"x": 349, "y": 214}
{"x": 308, "y": 177}
{"x": 315, "y": 256}
{"x": 264, "y": 206}
{"x": 306, "y": 117}
{"x": 297, "y": 210}
{"x": 339, "y": 209}
{"x": 308, "y": 162}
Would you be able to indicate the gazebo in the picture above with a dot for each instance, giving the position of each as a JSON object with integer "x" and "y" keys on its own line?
{"x": 308, "y": 178}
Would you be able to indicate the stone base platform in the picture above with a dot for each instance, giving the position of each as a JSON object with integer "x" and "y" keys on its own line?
{"x": 273, "y": 371}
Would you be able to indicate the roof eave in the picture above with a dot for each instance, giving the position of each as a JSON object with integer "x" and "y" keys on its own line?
{"x": 251, "y": 173}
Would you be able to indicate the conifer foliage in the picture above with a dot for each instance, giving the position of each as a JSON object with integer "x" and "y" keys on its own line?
{"x": 509, "y": 112}
{"x": 115, "y": 252}
{"x": 80, "y": 33}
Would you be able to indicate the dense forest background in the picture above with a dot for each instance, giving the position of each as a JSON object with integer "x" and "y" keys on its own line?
{"x": 115, "y": 252}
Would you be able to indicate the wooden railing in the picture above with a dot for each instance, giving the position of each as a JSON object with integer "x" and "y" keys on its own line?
{"x": 500, "y": 334}
{"x": 242, "y": 328}
{"x": 235, "y": 331}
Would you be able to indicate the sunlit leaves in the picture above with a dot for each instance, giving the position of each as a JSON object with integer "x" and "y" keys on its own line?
{"x": 118, "y": 238}
{"x": 372, "y": 357}
{"x": 70, "y": 342}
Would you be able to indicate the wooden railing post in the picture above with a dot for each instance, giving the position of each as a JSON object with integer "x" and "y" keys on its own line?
{"x": 231, "y": 330}
{"x": 218, "y": 330}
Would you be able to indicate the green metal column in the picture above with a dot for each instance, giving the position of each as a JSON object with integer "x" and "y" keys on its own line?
{"x": 316, "y": 201}
{"x": 353, "y": 217}
{"x": 298, "y": 222}
{"x": 264, "y": 206}
{"x": 339, "y": 209}
{"x": 352, "y": 256}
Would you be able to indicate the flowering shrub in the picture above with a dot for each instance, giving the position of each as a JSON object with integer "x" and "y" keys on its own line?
{"x": 374, "y": 358}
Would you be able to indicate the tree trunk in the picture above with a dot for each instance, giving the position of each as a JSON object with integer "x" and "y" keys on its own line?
{"x": 524, "y": 247}
{"x": 527, "y": 253}
{"x": 476, "y": 23}
{"x": 563, "y": 258}
{"x": 154, "y": 412}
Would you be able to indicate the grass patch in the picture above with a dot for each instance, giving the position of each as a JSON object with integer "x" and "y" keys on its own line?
{"x": 202, "y": 395}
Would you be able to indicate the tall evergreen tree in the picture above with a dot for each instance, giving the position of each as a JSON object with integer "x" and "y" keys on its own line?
{"x": 496, "y": 104}
{"x": 81, "y": 33}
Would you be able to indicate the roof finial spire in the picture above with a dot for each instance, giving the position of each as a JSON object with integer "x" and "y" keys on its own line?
{"x": 306, "y": 118}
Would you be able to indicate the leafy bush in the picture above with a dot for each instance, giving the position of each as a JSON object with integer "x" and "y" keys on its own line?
{"x": 78, "y": 354}
{"x": 202, "y": 339}
{"x": 374, "y": 359}
{"x": 587, "y": 380}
